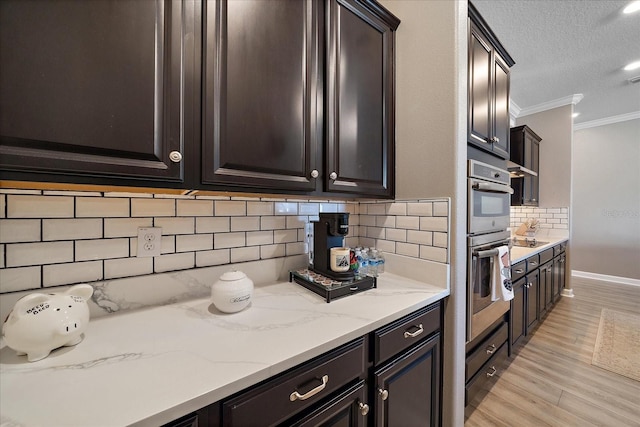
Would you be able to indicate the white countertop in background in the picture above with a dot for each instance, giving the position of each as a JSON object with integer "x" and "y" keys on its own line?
{"x": 518, "y": 253}
{"x": 153, "y": 365}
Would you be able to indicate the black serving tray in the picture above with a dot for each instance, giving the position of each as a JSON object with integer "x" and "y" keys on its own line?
{"x": 328, "y": 288}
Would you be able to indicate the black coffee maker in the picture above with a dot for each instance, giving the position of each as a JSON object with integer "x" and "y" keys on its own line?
{"x": 329, "y": 232}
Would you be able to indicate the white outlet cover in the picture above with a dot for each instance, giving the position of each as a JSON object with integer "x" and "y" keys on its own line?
{"x": 149, "y": 241}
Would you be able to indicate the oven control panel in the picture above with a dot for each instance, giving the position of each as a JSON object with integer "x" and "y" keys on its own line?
{"x": 487, "y": 172}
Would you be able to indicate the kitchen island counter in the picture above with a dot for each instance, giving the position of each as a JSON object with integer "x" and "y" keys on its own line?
{"x": 153, "y": 365}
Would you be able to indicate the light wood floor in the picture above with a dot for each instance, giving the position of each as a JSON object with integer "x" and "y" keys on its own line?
{"x": 550, "y": 380}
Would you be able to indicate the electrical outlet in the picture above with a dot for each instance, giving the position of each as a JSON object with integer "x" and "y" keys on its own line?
{"x": 149, "y": 241}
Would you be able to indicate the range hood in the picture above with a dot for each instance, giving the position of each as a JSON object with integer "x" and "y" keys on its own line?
{"x": 517, "y": 171}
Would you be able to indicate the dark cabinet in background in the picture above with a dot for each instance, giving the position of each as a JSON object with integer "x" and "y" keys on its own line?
{"x": 488, "y": 92}
{"x": 559, "y": 270}
{"x": 525, "y": 151}
{"x": 360, "y": 112}
{"x": 97, "y": 89}
{"x": 263, "y": 82}
{"x": 525, "y": 306}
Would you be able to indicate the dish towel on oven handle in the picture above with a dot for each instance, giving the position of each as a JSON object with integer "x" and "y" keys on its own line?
{"x": 501, "y": 287}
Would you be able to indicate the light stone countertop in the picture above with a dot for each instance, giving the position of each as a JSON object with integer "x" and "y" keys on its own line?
{"x": 155, "y": 364}
{"x": 519, "y": 253}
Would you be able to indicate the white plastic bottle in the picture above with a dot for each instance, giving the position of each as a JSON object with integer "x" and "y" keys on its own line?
{"x": 380, "y": 262}
{"x": 373, "y": 263}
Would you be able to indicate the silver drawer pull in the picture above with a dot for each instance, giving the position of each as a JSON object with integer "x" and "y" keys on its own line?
{"x": 384, "y": 394}
{"x": 533, "y": 263}
{"x": 491, "y": 349}
{"x": 364, "y": 408}
{"x": 297, "y": 396}
{"x": 414, "y": 334}
{"x": 490, "y": 374}
{"x": 519, "y": 271}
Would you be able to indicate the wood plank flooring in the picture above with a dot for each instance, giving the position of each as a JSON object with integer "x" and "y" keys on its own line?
{"x": 550, "y": 380}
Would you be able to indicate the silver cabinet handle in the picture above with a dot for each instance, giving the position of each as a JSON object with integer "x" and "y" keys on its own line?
{"x": 533, "y": 263}
{"x": 492, "y": 373}
{"x": 496, "y": 139}
{"x": 175, "y": 156}
{"x": 364, "y": 408}
{"x": 519, "y": 271}
{"x": 314, "y": 173}
{"x": 384, "y": 394}
{"x": 333, "y": 175}
{"x": 420, "y": 330}
{"x": 491, "y": 349}
{"x": 297, "y": 396}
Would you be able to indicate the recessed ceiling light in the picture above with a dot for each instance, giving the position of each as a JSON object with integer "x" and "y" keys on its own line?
{"x": 634, "y": 6}
{"x": 632, "y": 66}
{"x": 574, "y": 115}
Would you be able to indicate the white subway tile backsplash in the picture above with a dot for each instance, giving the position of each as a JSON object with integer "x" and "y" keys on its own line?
{"x": 245, "y": 223}
{"x": 286, "y": 208}
{"x": 215, "y": 257}
{"x": 285, "y": 236}
{"x": 296, "y": 221}
{"x": 194, "y": 242}
{"x": 194, "y": 207}
{"x": 257, "y": 238}
{"x": 386, "y": 221}
{"x": 2, "y": 256}
{"x": 273, "y": 223}
{"x": 420, "y": 237}
{"x": 397, "y": 208}
{"x": 176, "y": 225}
{"x": 230, "y": 208}
{"x": 368, "y": 220}
{"x": 433, "y": 254}
{"x": 245, "y": 254}
{"x": 376, "y": 232}
{"x": 19, "y": 279}
{"x": 101, "y": 249}
{"x": 396, "y": 234}
{"x": 376, "y": 209}
{"x": 168, "y": 245}
{"x": 309, "y": 209}
{"x": 420, "y": 209}
{"x": 34, "y": 206}
{"x": 433, "y": 223}
{"x": 19, "y": 230}
{"x": 71, "y": 229}
{"x": 125, "y": 227}
{"x": 228, "y": 240}
{"x": 153, "y": 207}
{"x": 23, "y": 254}
{"x": 385, "y": 246}
{"x": 440, "y": 209}
{"x": 295, "y": 248}
{"x": 408, "y": 249}
{"x": 127, "y": 267}
{"x": 260, "y": 208}
{"x": 66, "y": 274}
{"x": 127, "y": 194}
{"x": 213, "y": 225}
{"x": 3, "y": 206}
{"x": 408, "y": 222}
{"x": 97, "y": 207}
{"x": 273, "y": 251}
{"x": 19, "y": 191}
{"x": 171, "y": 262}
{"x": 440, "y": 240}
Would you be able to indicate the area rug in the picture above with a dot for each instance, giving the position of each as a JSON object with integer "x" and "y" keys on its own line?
{"x": 618, "y": 343}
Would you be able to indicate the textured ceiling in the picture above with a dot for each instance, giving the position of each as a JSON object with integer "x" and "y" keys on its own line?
{"x": 567, "y": 47}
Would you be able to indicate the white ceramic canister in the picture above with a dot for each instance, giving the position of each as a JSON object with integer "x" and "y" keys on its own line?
{"x": 232, "y": 292}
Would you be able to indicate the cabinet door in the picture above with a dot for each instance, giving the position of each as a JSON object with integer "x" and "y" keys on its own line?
{"x": 96, "y": 88}
{"x": 501, "y": 130}
{"x": 546, "y": 287}
{"x": 517, "y": 317}
{"x": 558, "y": 276}
{"x": 407, "y": 390}
{"x": 360, "y": 100}
{"x": 348, "y": 409}
{"x": 532, "y": 299}
{"x": 262, "y": 94}
{"x": 479, "y": 114}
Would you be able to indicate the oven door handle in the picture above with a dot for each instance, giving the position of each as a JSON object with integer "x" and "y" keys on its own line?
{"x": 490, "y": 186}
{"x": 485, "y": 254}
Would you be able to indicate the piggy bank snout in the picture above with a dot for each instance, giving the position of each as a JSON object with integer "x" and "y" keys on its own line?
{"x": 69, "y": 326}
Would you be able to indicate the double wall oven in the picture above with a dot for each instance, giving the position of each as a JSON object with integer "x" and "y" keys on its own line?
{"x": 489, "y": 197}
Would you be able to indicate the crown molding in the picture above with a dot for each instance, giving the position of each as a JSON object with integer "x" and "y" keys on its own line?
{"x": 555, "y": 103}
{"x": 607, "y": 121}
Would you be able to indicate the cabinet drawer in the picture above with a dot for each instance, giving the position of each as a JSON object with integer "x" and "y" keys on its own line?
{"x": 533, "y": 262}
{"x": 403, "y": 333}
{"x": 558, "y": 249}
{"x": 488, "y": 374}
{"x": 486, "y": 350}
{"x": 546, "y": 256}
{"x": 277, "y": 400}
{"x": 518, "y": 270}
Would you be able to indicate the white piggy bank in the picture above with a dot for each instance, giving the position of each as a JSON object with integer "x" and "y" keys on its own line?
{"x": 40, "y": 323}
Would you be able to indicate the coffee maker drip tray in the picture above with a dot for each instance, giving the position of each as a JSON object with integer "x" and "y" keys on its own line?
{"x": 328, "y": 288}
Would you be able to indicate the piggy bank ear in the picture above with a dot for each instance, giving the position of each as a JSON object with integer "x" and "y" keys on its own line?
{"x": 26, "y": 303}
{"x": 83, "y": 291}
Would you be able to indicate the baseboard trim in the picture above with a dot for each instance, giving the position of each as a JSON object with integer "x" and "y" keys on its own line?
{"x": 605, "y": 277}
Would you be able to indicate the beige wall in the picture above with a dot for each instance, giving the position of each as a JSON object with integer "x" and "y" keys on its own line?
{"x": 431, "y": 64}
{"x": 556, "y": 130}
{"x": 606, "y": 200}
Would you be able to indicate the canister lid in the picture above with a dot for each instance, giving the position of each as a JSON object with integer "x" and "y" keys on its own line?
{"x": 233, "y": 275}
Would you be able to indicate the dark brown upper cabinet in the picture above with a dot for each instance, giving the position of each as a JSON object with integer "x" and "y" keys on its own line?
{"x": 96, "y": 89}
{"x": 525, "y": 151}
{"x": 360, "y": 99}
{"x": 263, "y": 82}
{"x": 276, "y": 116}
{"x": 488, "y": 92}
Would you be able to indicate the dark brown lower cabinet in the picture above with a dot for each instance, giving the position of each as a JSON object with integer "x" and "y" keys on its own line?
{"x": 407, "y": 389}
{"x": 546, "y": 287}
{"x": 347, "y": 409}
{"x": 209, "y": 416}
{"x": 517, "y": 316}
{"x": 532, "y": 298}
{"x": 559, "y": 274}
